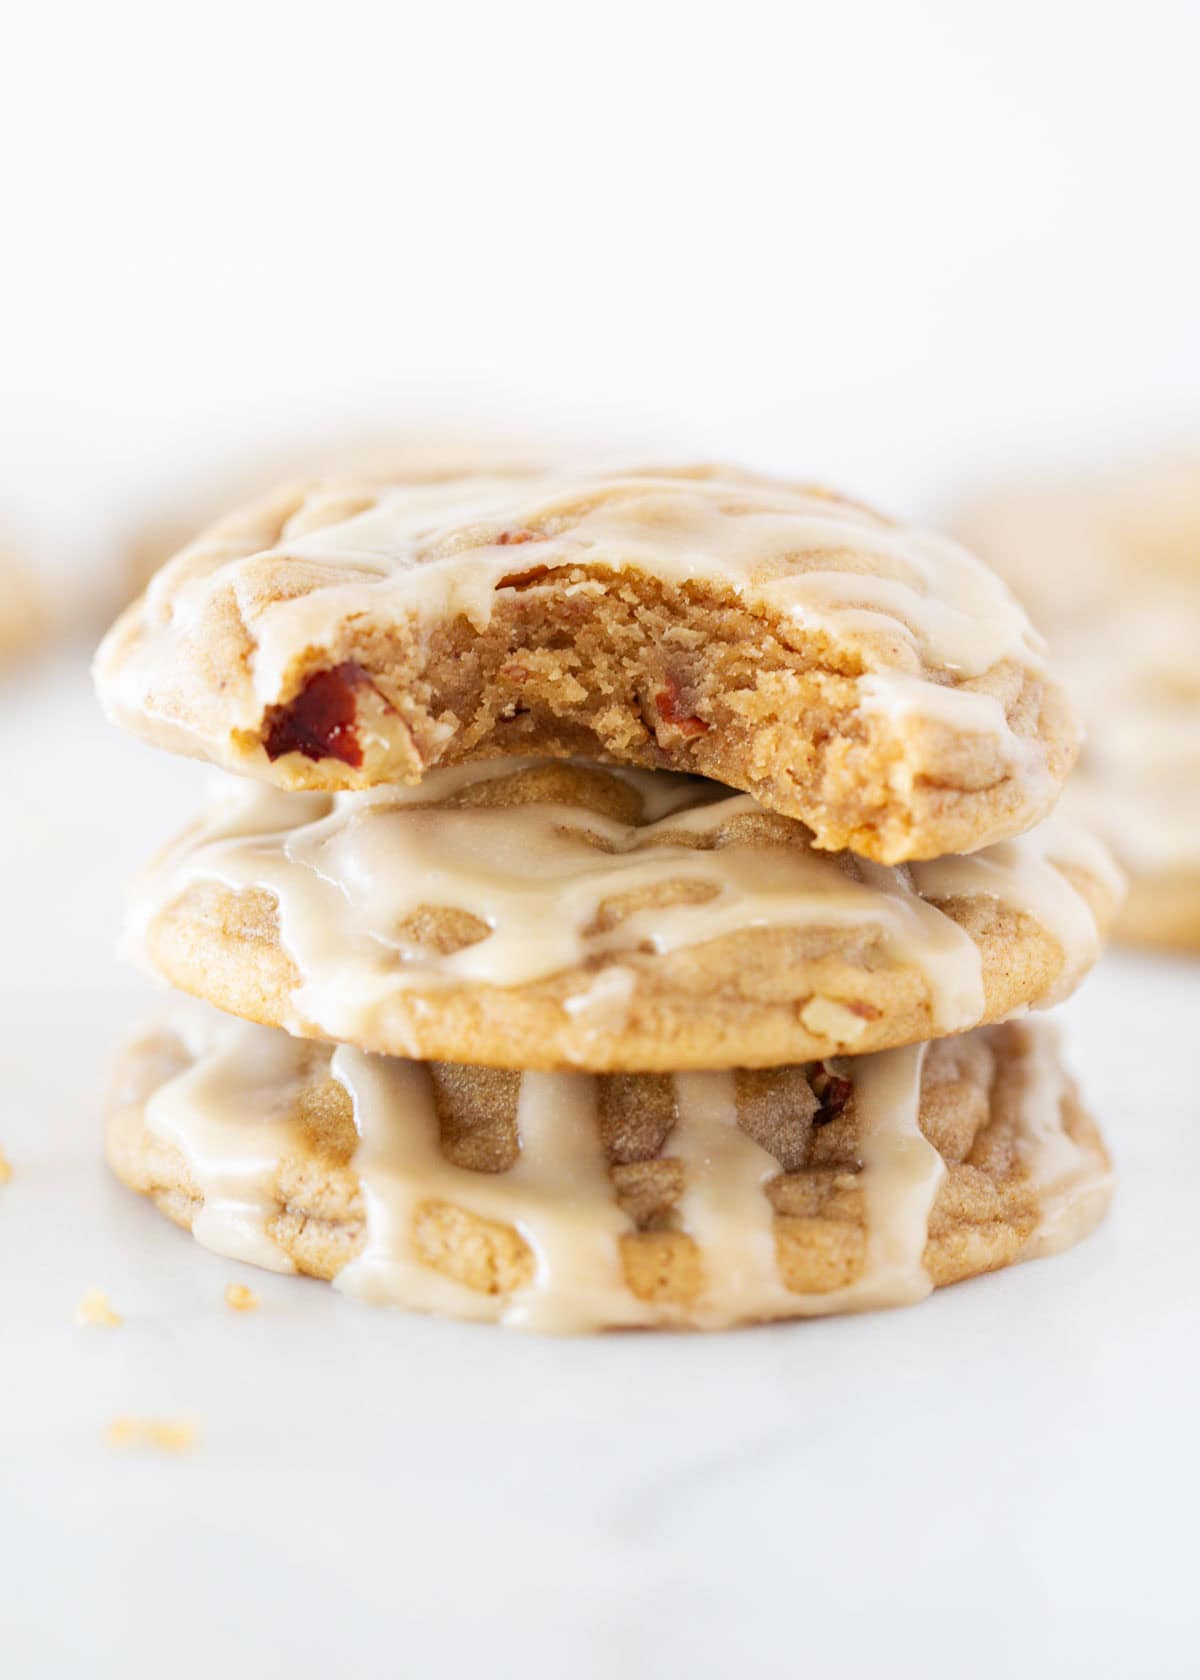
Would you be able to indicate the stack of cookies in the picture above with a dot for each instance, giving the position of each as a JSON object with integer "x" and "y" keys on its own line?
{"x": 630, "y": 903}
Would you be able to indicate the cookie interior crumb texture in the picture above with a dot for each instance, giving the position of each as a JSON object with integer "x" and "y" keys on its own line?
{"x": 878, "y": 683}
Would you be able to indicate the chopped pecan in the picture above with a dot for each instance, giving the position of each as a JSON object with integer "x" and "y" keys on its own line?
{"x": 667, "y": 701}
{"x": 865, "y": 1011}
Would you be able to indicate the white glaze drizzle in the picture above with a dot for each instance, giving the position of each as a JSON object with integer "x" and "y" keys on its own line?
{"x": 1027, "y": 875}
{"x": 435, "y": 547}
{"x": 724, "y": 1205}
{"x": 231, "y": 1114}
{"x": 345, "y": 881}
{"x": 900, "y": 697}
{"x": 726, "y": 1209}
{"x": 902, "y": 1173}
{"x": 558, "y": 1196}
{"x": 913, "y": 602}
{"x": 1072, "y": 1189}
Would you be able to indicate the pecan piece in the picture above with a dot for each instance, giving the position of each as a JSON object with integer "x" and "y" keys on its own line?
{"x": 667, "y": 702}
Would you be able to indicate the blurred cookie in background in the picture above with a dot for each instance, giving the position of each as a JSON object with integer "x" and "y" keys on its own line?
{"x": 24, "y": 615}
{"x": 431, "y": 451}
{"x": 1109, "y": 567}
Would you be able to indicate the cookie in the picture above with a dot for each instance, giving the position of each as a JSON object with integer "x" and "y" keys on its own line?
{"x": 877, "y": 683}
{"x": 1138, "y": 783}
{"x": 1072, "y": 545}
{"x": 1112, "y": 570}
{"x": 22, "y": 611}
{"x": 569, "y": 1202}
{"x": 540, "y": 915}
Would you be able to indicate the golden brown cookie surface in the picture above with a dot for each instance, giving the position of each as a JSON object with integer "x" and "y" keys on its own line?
{"x": 567, "y": 1202}
{"x": 878, "y": 683}
{"x": 554, "y": 915}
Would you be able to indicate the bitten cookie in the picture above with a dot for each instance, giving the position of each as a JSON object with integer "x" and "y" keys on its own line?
{"x": 878, "y": 683}
{"x": 565, "y": 1202}
{"x": 553, "y": 915}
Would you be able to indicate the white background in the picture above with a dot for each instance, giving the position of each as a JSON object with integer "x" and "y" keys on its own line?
{"x": 903, "y": 246}
{"x": 895, "y": 244}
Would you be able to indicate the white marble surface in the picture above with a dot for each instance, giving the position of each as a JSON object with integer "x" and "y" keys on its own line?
{"x": 1001, "y": 1481}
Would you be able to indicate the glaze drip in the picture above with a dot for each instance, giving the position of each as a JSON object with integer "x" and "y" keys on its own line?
{"x": 232, "y": 1115}
{"x": 541, "y": 889}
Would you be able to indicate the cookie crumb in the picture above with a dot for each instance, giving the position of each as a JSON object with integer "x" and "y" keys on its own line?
{"x": 166, "y": 1434}
{"x": 240, "y": 1298}
{"x": 5, "y": 1168}
{"x": 93, "y": 1308}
